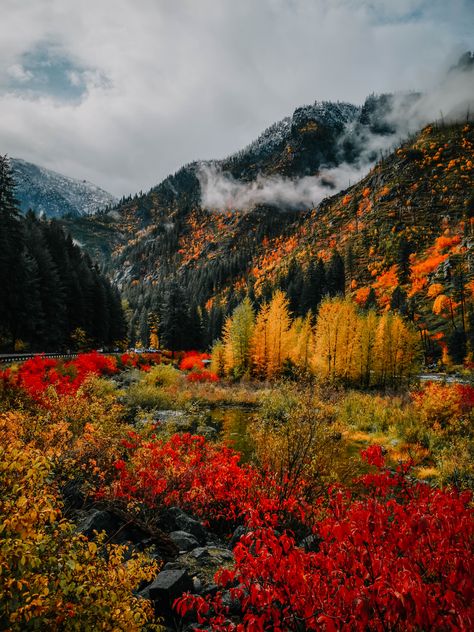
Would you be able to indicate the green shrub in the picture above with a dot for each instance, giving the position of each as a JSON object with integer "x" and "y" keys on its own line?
{"x": 374, "y": 413}
{"x": 163, "y": 375}
{"x": 148, "y": 397}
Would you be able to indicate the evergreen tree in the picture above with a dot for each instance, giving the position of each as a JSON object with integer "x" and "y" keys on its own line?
{"x": 335, "y": 275}
{"x": 11, "y": 249}
{"x": 314, "y": 286}
{"x": 174, "y": 318}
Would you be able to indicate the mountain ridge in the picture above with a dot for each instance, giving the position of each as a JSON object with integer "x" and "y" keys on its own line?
{"x": 53, "y": 194}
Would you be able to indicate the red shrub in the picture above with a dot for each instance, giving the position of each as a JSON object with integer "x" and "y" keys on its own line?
{"x": 37, "y": 374}
{"x": 202, "y": 376}
{"x": 399, "y": 558}
{"x": 193, "y": 360}
{"x": 142, "y": 361}
{"x": 202, "y": 477}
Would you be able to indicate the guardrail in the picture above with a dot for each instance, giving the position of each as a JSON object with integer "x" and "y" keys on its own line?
{"x": 21, "y": 357}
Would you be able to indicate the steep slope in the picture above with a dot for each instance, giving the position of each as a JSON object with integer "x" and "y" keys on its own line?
{"x": 396, "y": 232}
{"x": 52, "y": 194}
{"x": 315, "y": 138}
{"x": 400, "y": 231}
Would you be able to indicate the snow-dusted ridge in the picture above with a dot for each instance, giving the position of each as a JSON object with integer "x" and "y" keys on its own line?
{"x": 54, "y": 195}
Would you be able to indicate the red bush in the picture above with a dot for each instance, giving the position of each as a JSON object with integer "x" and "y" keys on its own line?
{"x": 142, "y": 361}
{"x": 37, "y": 374}
{"x": 399, "y": 558}
{"x": 193, "y": 360}
{"x": 201, "y": 477}
{"x": 202, "y": 376}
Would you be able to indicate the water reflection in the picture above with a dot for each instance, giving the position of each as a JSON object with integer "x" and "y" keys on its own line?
{"x": 234, "y": 423}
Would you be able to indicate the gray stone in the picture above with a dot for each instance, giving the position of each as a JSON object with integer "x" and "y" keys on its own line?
{"x": 200, "y": 553}
{"x": 197, "y": 585}
{"x": 168, "y": 586}
{"x": 183, "y": 540}
{"x": 311, "y": 543}
{"x": 174, "y": 519}
{"x": 97, "y": 520}
{"x": 233, "y": 605}
{"x": 212, "y": 552}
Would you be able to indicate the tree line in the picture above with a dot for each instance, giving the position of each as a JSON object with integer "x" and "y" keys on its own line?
{"x": 342, "y": 344}
{"x": 174, "y": 309}
{"x": 53, "y": 296}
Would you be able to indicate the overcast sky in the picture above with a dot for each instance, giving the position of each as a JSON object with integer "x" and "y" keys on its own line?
{"x": 124, "y": 92}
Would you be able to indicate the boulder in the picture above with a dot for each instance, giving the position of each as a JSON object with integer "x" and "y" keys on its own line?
{"x": 215, "y": 553}
{"x": 175, "y": 519}
{"x": 121, "y": 530}
{"x": 311, "y": 543}
{"x": 238, "y": 533}
{"x": 97, "y": 520}
{"x": 168, "y": 586}
{"x": 184, "y": 541}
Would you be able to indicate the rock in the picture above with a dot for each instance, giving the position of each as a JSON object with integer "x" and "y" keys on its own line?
{"x": 174, "y": 519}
{"x": 168, "y": 586}
{"x": 210, "y": 589}
{"x": 183, "y": 540}
{"x": 200, "y": 553}
{"x": 121, "y": 530}
{"x": 214, "y": 553}
{"x": 235, "y": 609}
{"x": 238, "y": 533}
{"x": 207, "y": 431}
{"x": 172, "y": 566}
{"x": 97, "y": 520}
{"x": 73, "y": 496}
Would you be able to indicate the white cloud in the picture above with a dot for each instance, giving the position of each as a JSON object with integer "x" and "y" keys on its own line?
{"x": 221, "y": 191}
{"x": 168, "y": 82}
{"x": 18, "y": 73}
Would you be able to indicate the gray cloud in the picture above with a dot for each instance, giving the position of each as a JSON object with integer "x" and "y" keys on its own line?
{"x": 152, "y": 85}
{"x": 220, "y": 191}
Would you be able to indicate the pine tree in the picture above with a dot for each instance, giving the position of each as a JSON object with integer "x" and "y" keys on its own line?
{"x": 11, "y": 250}
{"x": 335, "y": 275}
{"x": 174, "y": 318}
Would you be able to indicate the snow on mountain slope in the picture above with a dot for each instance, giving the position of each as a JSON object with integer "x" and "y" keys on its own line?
{"x": 54, "y": 195}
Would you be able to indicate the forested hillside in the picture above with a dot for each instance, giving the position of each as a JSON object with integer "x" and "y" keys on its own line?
{"x": 400, "y": 237}
{"x": 53, "y": 296}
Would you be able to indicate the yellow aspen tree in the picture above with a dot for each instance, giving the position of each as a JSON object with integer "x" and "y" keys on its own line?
{"x": 383, "y": 348}
{"x": 154, "y": 341}
{"x": 218, "y": 358}
{"x": 279, "y": 327}
{"x": 396, "y": 350}
{"x": 368, "y": 328}
{"x": 238, "y": 332}
{"x": 337, "y": 336}
{"x": 302, "y": 341}
{"x": 259, "y": 347}
{"x": 406, "y": 353}
{"x": 348, "y": 340}
{"x": 326, "y": 339}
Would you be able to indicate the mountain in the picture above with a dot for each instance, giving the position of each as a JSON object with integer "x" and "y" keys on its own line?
{"x": 51, "y": 194}
{"x": 404, "y": 234}
{"x": 399, "y": 236}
